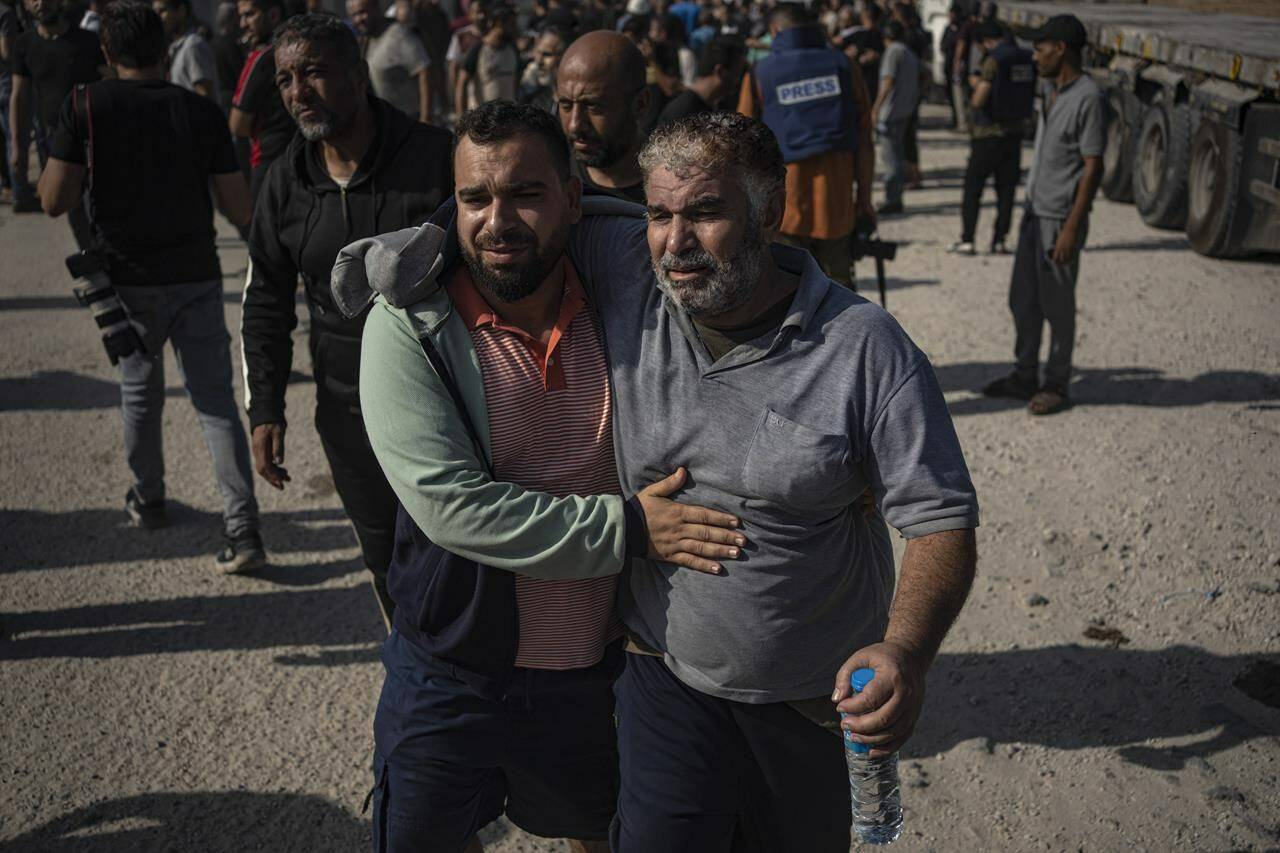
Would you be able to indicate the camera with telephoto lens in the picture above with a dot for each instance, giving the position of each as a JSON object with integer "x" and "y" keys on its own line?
{"x": 94, "y": 290}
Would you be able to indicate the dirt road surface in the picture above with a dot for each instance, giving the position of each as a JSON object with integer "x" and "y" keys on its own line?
{"x": 149, "y": 704}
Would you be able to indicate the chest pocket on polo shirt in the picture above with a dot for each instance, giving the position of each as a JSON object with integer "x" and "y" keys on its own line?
{"x": 796, "y": 466}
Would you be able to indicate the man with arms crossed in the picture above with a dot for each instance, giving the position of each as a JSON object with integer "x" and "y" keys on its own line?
{"x": 724, "y": 701}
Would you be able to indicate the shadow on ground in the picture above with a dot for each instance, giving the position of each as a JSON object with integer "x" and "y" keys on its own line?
{"x": 331, "y": 617}
{"x": 200, "y": 823}
{"x": 33, "y": 539}
{"x": 1117, "y": 386}
{"x": 1075, "y": 697}
{"x": 63, "y": 390}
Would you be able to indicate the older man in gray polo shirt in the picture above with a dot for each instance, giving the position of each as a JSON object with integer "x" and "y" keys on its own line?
{"x": 1065, "y": 172}
{"x": 784, "y": 396}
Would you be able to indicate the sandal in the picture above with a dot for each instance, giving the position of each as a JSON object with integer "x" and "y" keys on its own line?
{"x": 1048, "y": 401}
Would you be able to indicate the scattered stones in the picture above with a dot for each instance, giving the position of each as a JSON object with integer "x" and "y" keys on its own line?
{"x": 1252, "y": 586}
{"x": 1035, "y": 599}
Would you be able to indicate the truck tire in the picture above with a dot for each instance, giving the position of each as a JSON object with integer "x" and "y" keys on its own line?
{"x": 1213, "y": 188}
{"x": 1117, "y": 173}
{"x": 1162, "y": 155}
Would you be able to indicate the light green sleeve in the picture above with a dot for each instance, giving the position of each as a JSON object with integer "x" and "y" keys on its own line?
{"x": 433, "y": 467}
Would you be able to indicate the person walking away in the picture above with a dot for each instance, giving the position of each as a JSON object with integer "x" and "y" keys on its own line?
{"x": 602, "y": 96}
{"x": 813, "y": 99}
{"x": 399, "y": 68}
{"x": 918, "y": 41}
{"x": 1003, "y": 99}
{"x": 191, "y": 61}
{"x": 152, "y": 223}
{"x": 257, "y": 113}
{"x": 895, "y": 104}
{"x": 947, "y": 51}
{"x": 48, "y": 61}
{"x": 491, "y": 70}
{"x": 966, "y": 37}
{"x": 1066, "y": 169}
{"x": 357, "y": 167}
{"x": 720, "y": 71}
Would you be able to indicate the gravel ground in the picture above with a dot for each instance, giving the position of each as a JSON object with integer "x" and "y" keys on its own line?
{"x": 150, "y": 704}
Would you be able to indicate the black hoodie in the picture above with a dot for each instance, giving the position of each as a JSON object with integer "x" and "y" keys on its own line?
{"x": 301, "y": 221}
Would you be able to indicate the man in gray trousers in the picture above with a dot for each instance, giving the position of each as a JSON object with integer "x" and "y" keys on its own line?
{"x": 1065, "y": 171}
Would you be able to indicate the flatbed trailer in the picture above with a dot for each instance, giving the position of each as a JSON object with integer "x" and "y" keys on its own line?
{"x": 1194, "y": 101}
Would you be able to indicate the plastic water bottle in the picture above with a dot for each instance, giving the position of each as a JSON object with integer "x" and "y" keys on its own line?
{"x": 873, "y": 783}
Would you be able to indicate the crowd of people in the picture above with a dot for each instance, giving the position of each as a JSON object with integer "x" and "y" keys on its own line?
{"x": 619, "y": 441}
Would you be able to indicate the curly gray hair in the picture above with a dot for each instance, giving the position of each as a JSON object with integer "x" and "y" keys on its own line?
{"x": 721, "y": 143}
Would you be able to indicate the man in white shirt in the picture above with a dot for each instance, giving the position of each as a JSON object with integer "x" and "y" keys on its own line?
{"x": 191, "y": 62}
{"x": 398, "y": 61}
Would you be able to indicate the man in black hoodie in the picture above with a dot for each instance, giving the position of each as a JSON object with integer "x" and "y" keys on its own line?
{"x": 358, "y": 167}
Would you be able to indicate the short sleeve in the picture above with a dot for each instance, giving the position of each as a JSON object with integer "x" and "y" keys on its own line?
{"x": 1093, "y": 126}
{"x": 66, "y": 143}
{"x": 890, "y": 63}
{"x": 19, "y": 65}
{"x": 412, "y": 54}
{"x": 258, "y": 83}
{"x": 915, "y": 464}
{"x": 990, "y": 68}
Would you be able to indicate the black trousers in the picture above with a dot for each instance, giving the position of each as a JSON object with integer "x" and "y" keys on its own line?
{"x": 364, "y": 491}
{"x": 999, "y": 156}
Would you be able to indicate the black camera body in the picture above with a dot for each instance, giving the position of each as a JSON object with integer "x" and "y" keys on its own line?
{"x": 94, "y": 290}
{"x": 864, "y": 245}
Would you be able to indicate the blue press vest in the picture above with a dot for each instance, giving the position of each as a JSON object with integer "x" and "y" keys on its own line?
{"x": 806, "y": 88}
{"x": 1013, "y": 91}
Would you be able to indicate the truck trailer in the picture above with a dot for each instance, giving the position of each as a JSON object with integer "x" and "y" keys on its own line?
{"x": 1193, "y": 99}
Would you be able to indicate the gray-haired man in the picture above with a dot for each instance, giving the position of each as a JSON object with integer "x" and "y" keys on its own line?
{"x": 785, "y": 396}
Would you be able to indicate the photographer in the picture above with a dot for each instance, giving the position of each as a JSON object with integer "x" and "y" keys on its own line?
{"x": 148, "y": 152}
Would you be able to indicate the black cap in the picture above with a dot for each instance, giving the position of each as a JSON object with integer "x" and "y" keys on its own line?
{"x": 989, "y": 30}
{"x": 1064, "y": 28}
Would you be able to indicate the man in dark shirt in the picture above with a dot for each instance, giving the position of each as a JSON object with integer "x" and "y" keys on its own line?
{"x": 359, "y": 167}
{"x": 48, "y": 60}
{"x": 148, "y": 152}
{"x": 720, "y": 70}
{"x": 257, "y": 112}
{"x": 10, "y": 29}
{"x": 601, "y": 93}
{"x": 865, "y": 45}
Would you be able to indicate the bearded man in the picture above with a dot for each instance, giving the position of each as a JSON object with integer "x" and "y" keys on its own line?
{"x": 357, "y": 167}
{"x": 778, "y": 397}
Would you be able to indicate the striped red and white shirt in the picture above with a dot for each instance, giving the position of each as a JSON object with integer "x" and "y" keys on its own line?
{"x": 551, "y": 430}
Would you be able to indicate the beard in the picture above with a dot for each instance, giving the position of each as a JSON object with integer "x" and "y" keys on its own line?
{"x": 606, "y": 151}
{"x": 327, "y": 126}
{"x": 513, "y": 282}
{"x": 723, "y": 287}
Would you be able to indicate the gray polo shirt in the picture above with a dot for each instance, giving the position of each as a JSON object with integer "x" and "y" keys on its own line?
{"x": 785, "y": 431}
{"x": 901, "y": 64}
{"x": 1072, "y": 127}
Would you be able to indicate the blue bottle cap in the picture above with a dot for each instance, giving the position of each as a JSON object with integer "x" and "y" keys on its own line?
{"x": 861, "y": 678}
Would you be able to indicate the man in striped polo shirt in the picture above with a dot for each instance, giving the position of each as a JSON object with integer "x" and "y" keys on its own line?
{"x": 459, "y": 743}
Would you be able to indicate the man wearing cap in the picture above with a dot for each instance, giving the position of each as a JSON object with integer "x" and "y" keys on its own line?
{"x": 1065, "y": 170}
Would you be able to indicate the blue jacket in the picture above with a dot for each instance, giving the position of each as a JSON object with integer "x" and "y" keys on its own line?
{"x": 806, "y": 92}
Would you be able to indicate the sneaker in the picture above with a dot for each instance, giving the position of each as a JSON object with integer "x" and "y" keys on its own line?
{"x": 30, "y": 204}
{"x": 148, "y": 516}
{"x": 999, "y": 248}
{"x": 241, "y": 554}
{"x": 1010, "y": 386}
{"x": 888, "y": 209}
{"x": 962, "y": 247}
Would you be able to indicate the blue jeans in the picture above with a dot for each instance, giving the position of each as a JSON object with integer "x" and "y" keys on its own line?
{"x": 893, "y": 139}
{"x": 191, "y": 317}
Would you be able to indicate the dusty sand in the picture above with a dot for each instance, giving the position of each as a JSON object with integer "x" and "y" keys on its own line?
{"x": 150, "y": 704}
